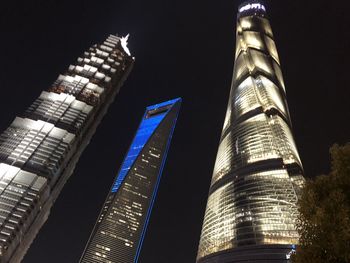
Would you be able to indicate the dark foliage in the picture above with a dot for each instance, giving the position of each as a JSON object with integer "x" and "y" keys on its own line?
{"x": 324, "y": 221}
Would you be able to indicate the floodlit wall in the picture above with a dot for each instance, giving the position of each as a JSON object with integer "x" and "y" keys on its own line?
{"x": 258, "y": 172}
{"x": 39, "y": 150}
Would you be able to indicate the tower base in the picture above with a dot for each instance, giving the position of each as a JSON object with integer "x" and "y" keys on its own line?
{"x": 252, "y": 254}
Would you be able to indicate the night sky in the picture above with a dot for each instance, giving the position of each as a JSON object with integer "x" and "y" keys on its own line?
{"x": 182, "y": 49}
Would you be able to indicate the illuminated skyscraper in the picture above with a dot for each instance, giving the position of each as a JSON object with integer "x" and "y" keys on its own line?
{"x": 251, "y": 209}
{"x": 121, "y": 226}
{"x": 40, "y": 149}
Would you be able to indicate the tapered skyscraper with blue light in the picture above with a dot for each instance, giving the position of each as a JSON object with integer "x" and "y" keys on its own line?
{"x": 121, "y": 226}
{"x": 251, "y": 210}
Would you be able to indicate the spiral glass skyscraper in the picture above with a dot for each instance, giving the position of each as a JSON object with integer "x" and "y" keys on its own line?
{"x": 251, "y": 209}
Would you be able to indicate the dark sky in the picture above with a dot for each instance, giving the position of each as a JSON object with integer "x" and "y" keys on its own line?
{"x": 182, "y": 48}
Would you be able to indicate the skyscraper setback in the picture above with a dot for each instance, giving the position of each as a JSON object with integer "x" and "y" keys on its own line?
{"x": 40, "y": 149}
{"x": 121, "y": 226}
{"x": 251, "y": 209}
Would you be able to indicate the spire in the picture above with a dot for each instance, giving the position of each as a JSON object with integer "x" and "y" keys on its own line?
{"x": 124, "y": 43}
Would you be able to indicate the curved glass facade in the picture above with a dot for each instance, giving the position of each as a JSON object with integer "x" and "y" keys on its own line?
{"x": 258, "y": 173}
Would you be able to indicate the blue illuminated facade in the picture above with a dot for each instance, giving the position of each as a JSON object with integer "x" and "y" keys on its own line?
{"x": 144, "y": 132}
{"x": 122, "y": 223}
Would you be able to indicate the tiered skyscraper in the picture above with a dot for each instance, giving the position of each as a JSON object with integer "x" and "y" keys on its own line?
{"x": 251, "y": 209}
{"x": 121, "y": 226}
{"x": 40, "y": 149}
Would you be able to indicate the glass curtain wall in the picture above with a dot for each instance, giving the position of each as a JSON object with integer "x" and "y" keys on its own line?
{"x": 258, "y": 172}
